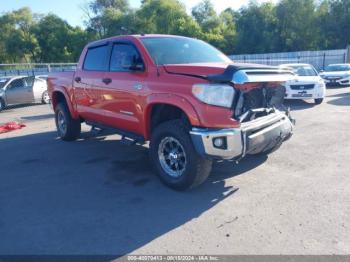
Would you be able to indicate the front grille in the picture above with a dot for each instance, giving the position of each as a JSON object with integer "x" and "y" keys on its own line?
{"x": 302, "y": 87}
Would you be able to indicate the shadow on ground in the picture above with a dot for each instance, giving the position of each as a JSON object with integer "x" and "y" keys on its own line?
{"x": 8, "y": 108}
{"x": 342, "y": 99}
{"x": 299, "y": 104}
{"x": 38, "y": 117}
{"x": 93, "y": 196}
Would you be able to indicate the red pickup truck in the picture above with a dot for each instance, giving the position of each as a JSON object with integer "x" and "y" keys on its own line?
{"x": 188, "y": 99}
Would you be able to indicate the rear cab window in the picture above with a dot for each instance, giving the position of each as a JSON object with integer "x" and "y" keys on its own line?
{"x": 97, "y": 58}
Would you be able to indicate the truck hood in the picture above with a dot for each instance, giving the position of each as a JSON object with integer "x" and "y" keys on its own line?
{"x": 235, "y": 73}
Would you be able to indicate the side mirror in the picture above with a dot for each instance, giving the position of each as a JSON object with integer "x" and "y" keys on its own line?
{"x": 137, "y": 64}
{"x": 321, "y": 71}
{"x": 139, "y": 67}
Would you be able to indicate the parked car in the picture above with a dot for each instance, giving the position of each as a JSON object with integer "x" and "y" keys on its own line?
{"x": 337, "y": 75}
{"x": 307, "y": 85}
{"x": 22, "y": 90}
{"x": 181, "y": 94}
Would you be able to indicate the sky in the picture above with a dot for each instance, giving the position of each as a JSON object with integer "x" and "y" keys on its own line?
{"x": 71, "y": 10}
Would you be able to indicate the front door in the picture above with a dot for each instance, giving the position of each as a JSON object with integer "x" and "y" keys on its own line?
{"x": 18, "y": 92}
{"x": 123, "y": 88}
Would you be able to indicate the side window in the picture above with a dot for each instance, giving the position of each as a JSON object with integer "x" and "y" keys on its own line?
{"x": 29, "y": 81}
{"x": 124, "y": 58}
{"x": 97, "y": 58}
{"x": 17, "y": 83}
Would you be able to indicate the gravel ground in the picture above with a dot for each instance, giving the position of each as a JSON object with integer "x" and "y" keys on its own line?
{"x": 98, "y": 196}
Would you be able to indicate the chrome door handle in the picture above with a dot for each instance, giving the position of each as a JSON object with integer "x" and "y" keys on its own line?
{"x": 138, "y": 86}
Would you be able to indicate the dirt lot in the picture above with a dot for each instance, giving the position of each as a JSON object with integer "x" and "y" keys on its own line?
{"x": 98, "y": 196}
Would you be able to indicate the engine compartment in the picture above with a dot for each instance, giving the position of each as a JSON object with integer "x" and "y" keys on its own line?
{"x": 258, "y": 100}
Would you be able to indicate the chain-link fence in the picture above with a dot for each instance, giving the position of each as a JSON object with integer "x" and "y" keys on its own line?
{"x": 34, "y": 69}
{"x": 319, "y": 59}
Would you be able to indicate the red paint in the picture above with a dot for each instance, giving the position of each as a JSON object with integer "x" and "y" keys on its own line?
{"x": 93, "y": 100}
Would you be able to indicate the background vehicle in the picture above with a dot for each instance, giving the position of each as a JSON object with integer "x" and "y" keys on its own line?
{"x": 307, "y": 85}
{"x": 337, "y": 75}
{"x": 22, "y": 90}
{"x": 181, "y": 94}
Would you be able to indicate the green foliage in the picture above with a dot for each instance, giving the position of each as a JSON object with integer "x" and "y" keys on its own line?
{"x": 289, "y": 25}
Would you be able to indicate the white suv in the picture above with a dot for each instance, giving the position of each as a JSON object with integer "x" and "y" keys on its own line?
{"x": 307, "y": 85}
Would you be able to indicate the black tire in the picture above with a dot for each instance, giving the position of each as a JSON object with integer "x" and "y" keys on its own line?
{"x": 44, "y": 99}
{"x": 318, "y": 101}
{"x": 2, "y": 104}
{"x": 72, "y": 128}
{"x": 196, "y": 168}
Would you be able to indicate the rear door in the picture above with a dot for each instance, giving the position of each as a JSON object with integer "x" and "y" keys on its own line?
{"x": 17, "y": 92}
{"x": 88, "y": 80}
{"x": 123, "y": 87}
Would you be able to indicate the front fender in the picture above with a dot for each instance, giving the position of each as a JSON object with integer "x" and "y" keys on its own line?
{"x": 173, "y": 100}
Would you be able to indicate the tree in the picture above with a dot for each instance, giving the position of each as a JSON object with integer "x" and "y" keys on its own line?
{"x": 297, "y": 28}
{"x": 333, "y": 19}
{"x": 18, "y": 40}
{"x": 165, "y": 17}
{"x": 99, "y": 6}
{"x": 256, "y": 28}
{"x": 64, "y": 44}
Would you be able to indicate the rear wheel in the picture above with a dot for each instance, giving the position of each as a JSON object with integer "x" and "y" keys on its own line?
{"x": 318, "y": 101}
{"x": 2, "y": 104}
{"x": 68, "y": 128}
{"x": 174, "y": 157}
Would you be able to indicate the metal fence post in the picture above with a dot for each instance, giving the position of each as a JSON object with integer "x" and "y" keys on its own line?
{"x": 324, "y": 60}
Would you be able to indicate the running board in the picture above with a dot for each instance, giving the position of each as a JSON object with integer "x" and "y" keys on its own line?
{"x": 128, "y": 138}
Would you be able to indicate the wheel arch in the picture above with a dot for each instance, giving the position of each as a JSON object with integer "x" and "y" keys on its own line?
{"x": 57, "y": 97}
{"x": 161, "y": 108}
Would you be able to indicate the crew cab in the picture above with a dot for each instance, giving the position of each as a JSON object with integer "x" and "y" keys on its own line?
{"x": 188, "y": 99}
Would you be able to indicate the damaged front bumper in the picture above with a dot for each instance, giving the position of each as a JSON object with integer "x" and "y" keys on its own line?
{"x": 256, "y": 136}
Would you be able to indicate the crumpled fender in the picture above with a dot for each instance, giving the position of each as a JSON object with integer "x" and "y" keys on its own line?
{"x": 170, "y": 99}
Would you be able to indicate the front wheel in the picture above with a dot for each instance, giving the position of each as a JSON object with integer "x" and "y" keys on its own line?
{"x": 318, "y": 101}
{"x": 68, "y": 128}
{"x": 174, "y": 157}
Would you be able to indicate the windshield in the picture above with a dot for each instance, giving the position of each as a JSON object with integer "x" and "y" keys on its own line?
{"x": 304, "y": 70}
{"x": 181, "y": 50}
{"x": 3, "y": 82}
{"x": 337, "y": 68}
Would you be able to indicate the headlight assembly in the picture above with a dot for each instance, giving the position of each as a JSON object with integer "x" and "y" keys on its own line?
{"x": 214, "y": 94}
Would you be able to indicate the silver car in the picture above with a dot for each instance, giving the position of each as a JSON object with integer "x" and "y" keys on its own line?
{"x": 22, "y": 90}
